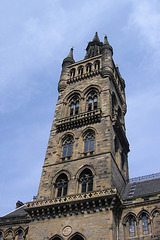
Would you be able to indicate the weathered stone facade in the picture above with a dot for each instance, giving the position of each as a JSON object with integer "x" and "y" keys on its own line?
{"x": 84, "y": 191}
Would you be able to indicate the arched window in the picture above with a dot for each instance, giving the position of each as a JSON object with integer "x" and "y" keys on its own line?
{"x": 92, "y": 101}
{"x": 61, "y": 185}
{"x": 145, "y": 225}
{"x": 56, "y": 238}
{"x": 1, "y": 236}
{"x": 89, "y": 142}
{"x": 80, "y": 70}
{"x": 72, "y": 72}
{"x": 74, "y": 106}
{"x": 89, "y": 68}
{"x": 77, "y": 237}
{"x": 86, "y": 180}
{"x": 20, "y": 235}
{"x": 67, "y": 147}
{"x": 131, "y": 226}
{"x": 97, "y": 65}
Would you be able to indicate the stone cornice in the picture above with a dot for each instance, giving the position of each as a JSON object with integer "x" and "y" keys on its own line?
{"x": 73, "y": 204}
{"x": 79, "y": 120}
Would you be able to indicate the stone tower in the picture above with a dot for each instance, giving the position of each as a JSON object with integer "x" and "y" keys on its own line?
{"x": 86, "y": 167}
{"x": 84, "y": 192}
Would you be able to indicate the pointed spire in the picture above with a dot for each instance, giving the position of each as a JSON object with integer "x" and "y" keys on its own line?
{"x": 70, "y": 55}
{"x": 96, "y": 38}
{"x": 106, "y": 40}
{"x": 69, "y": 59}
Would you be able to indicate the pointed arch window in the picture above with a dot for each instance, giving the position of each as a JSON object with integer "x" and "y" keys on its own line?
{"x": 92, "y": 101}
{"x": 74, "y": 106}
{"x": 20, "y": 235}
{"x": 86, "y": 180}
{"x": 72, "y": 72}
{"x": 145, "y": 225}
{"x": 89, "y": 68}
{"x": 61, "y": 185}
{"x": 97, "y": 65}
{"x": 131, "y": 226}
{"x": 67, "y": 147}
{"x": 89, "y": 142}
{"x": 1, "y": 236}
{"x": 80, "y": 70}
{"x": 77, "y": 237}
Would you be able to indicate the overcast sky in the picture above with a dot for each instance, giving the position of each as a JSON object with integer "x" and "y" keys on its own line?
{"x": 35, "y": 36}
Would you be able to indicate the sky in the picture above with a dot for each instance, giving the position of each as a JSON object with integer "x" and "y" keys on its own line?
{"x": 35, "y": 37}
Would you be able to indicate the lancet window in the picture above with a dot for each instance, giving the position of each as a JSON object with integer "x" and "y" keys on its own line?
{"x": 89, "y": 142}
{"x": 92, "y": 101}
{"x": 131, "y": 226}
{"x": 86, "y": 180}
{"x": 88, "y": 67}
{"x": 72, "y": 72}
{"x": 74, "y": 106}
{"x": 145, "y": 225}
{"x": 20, "y": 235}
{"x": 97, "y": 65}
{"x": 80, "y": 70}
{"x": 61, "y": 185}
{"x": 67, "y": 147}
{"x": 77, "y": 237}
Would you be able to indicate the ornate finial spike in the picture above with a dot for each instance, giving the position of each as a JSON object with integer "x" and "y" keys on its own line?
{"x": 70, "y": 55}
{"x": 96, "y": 38}
{"x": 106, "y": 40}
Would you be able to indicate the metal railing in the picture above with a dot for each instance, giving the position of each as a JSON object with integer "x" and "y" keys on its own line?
{"x": 143, "y": 178}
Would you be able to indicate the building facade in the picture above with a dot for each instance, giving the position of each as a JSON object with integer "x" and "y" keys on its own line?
{"x": 84, "y": 191}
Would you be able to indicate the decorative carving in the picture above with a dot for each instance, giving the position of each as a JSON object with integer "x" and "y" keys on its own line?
{"x": 67, "y": 231}
{"x": 79, "y": 120}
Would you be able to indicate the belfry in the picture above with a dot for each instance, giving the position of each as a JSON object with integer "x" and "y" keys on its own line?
{"x": 85, "y": 192}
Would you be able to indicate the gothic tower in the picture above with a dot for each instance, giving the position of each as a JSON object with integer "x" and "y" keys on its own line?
{"x": 86, "y": 167}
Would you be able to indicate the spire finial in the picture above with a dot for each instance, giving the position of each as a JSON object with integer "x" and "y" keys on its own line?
{"x": 70, "y": 55}
{"x": 106, "y": 40}
{"x": 96, "y": 38}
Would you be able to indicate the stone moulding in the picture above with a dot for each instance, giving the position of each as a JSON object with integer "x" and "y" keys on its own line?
{"x": 79, "y": 120}
{"x": 83, "y": 76}
{"x": 74, "y": 204}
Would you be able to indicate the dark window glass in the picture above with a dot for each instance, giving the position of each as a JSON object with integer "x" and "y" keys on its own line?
{"x": 77, "y": 107}
{"x": 67, "y": 148}
{"x": 72, "y": 72}
{"x": 145, "y": 225}
{"x": 89, "y": 143}
{"x": 92, "y": 102}
{"x": 96, "y": 65}
{"x": 20, "y": 235}
{"x": 62, "y": 185}
{"x": 74, "y": 107}
{"x": 95, "y": 102}
{"x": 86, "y": 180}
{"x": 131, "y": 227}
{"x": 80, "y": 70}
{"x": 89, "y": 68}
{"x": 0, "y": 236}
{"x": 77, "y": 237}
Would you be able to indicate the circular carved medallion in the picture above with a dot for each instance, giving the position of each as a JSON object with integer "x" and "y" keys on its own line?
{"x": 66, "y": 230}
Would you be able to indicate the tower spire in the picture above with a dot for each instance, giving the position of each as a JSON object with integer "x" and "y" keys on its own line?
{"x": 69, "y": 59}
{"x": 94, "y": 47}
{"x": 96, "y": 38}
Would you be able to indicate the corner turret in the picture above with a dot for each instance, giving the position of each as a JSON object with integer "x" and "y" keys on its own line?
{"x": 66, "y": 62}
